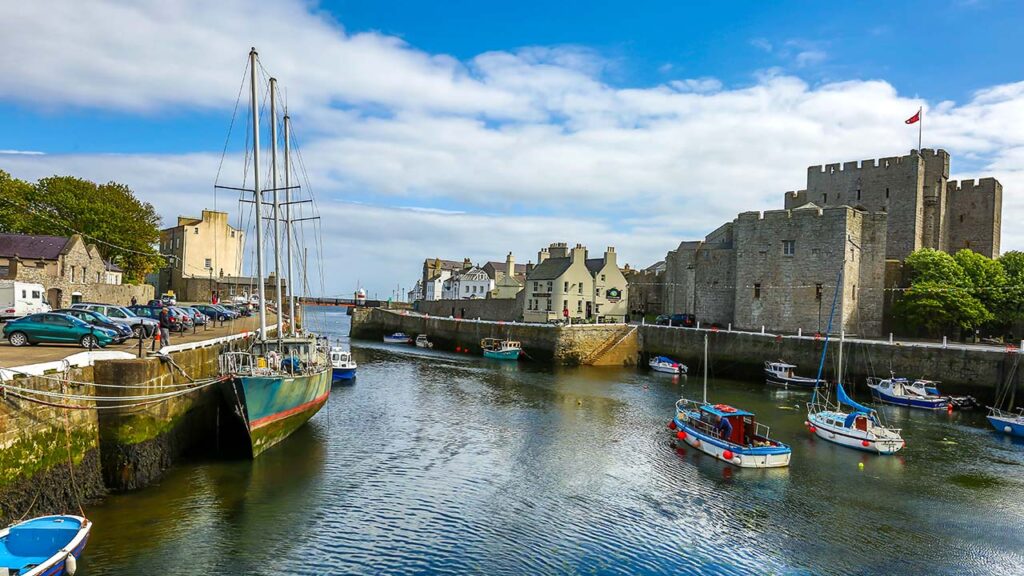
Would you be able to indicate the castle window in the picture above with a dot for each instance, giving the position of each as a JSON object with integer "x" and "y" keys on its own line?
{"x": 788, "y": 247}
{"x": 886, "y": 192}
{"x": 858, "y": 193}
{"x": 854, "y": 292}
{"x": 817, "y": 292}
{"x": 824, "y": 198}
{"x": 757, "y": 291}
{"x": 961, "y": 217}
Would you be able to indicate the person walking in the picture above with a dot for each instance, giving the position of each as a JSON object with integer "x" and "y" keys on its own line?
{"x": 165, "y": 326}
{"x": 134, "y": 301}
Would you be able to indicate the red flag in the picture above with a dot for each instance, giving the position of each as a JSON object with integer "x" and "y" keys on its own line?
{"x": 914, "y": 118}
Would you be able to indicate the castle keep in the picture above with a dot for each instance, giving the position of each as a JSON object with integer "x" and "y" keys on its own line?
{"x": 779, "y": 269}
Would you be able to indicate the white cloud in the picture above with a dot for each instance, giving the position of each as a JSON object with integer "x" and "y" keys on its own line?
{"x": 810, "y": 57}
{"x": 417, "y": 155}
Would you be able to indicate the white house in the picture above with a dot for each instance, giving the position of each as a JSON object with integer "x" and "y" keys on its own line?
{"x": 470, "y": 284}
{"x": 433, "y": 290}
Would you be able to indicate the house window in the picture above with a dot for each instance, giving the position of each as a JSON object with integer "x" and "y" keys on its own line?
{"x": 580, "y": 285}
{"x": 788, "y": 247}
{"x": 854, "y": 292}
{"x": 536, "y": 286}
{"x": 757, "y": 291}
{"x": 566, "y": 288}
{"x": 602, "y": 277}
{"x": 84, "y": 280}
{"x": 232, "y": 233}
{"x": 550, "y": 285}
{"x": 208, "y": 263}
{"x": 579, "y": 305}
{"x": 565, "y": 304}
{"x": 5, "y": 270}
{"x": 549, "y": 305}
{"x": 597, "y": 291}
{"x": 817, "y": 292}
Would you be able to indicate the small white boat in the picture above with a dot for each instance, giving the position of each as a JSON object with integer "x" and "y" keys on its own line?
{"x": 423, "y": 342}
{"x": 342, "y": 365}
{"x": 43, "y": 546}
{"x": 397, "y": 338}
{"x": 667, "y": 365}
{"x": 781, "y": 374}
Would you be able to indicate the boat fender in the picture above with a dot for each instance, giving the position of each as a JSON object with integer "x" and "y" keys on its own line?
{"x": 727, "y": 454}
{"x": 1007, "y": 429}
{"x": 672, "y": 424}
{"x": 813, "y": 429}
{"x": 865, "y": 443}
{"x": 681, "y": 435}
{"x": 70, "y": 565}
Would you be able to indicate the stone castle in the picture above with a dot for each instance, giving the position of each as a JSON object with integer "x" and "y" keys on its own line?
{"x": 779, "y": 269}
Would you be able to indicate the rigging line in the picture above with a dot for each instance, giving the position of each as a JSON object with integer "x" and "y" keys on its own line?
{"x": 227, "y": 139}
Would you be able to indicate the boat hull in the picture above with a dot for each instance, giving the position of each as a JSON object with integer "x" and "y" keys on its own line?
{"x": 392, "y": 340}
{"x": 742, "y": 456}
{"x": 915, "y": 402}
{"x": 1011, "y": 426}
{"x": 782, "y": 381}
{"x": 502, "y": 354}
{"x": 55, "y": 564}
{"x": 343, "y": 374}
{"x": 680, "y": 369}
{"x": 854, "y": 438}
{"x": 272, "y": 407}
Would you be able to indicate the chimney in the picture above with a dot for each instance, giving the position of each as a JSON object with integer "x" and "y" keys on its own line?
{"x": 579, "y": 253}
{"x": 466, "y": 264}
{"x": 542, "y": 256}
{"x": 558, "y": 250}
{"x": 609, "y": 256}
{"x": 510, "y": 266}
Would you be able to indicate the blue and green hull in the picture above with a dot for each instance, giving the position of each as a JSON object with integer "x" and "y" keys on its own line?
{"x": 275, "y": 406}
{"x": 502, "y": 354}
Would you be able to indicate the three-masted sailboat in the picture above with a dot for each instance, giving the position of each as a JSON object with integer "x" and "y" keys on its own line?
{"x": 862, "y": 428}
{"x": 280, "y": 382}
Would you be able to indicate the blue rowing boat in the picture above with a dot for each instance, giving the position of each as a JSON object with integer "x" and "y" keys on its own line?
{"x": 44, "y": 546}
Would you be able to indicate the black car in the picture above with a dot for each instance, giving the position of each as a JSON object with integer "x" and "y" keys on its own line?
{"x": 96, "y": 319}
{"x": 214, "y": 312}
{"x": 687, "y": 320}
{"x": 179, "y": 321}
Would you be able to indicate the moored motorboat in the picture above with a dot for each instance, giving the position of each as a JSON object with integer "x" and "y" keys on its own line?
{"x": 397, "y": 338}
{"x": 44, "y": 546}
{"x": 930, "y": 388}
{"x": 343, "y": 367}
{"x": 667, "y": 365}
{"x": 727, "y": 433}
{"x": 500, "y": 349}
{"x": 782, "y": 374}
{"x": 423, "y": 342}
{"x": 897, "y": 391}
{"x": 1007, "y": 422}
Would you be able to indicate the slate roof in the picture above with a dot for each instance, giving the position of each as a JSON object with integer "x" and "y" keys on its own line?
{"x": 550, "y": 269}
{"x": 33, "y": 246}
{"x": 111, "y": 267}
{"x": 500, "y": 266}
{"x": 595, "y": 265}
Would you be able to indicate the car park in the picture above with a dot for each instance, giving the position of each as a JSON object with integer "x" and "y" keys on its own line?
{"x": 55, "y": 328}
{"x": 122, "y": 331}
{"x": 140, "y": 325}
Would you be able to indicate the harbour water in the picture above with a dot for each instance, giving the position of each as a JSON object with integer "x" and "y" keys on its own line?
{"x": 435, "y": 463}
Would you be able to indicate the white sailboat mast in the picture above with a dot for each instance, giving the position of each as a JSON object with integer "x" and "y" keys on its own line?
{"x": 277, "y": 205}
{"x": 288, "y": 221}
{"x": 254, "y": 101}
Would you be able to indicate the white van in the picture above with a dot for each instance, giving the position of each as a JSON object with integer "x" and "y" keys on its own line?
{"x": 19, "y": 299}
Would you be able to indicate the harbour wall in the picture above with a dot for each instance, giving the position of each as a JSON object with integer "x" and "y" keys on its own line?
{"x": 122, "y": 444}
{"x": 733, "y": 354}
{"x": 484, "y": 309}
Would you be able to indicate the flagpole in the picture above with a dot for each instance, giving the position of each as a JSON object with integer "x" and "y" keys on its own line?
{"x": 920, "y": 126}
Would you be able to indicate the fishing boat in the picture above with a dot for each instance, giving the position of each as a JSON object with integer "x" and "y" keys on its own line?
{"x": 898, "y": 391}
{"x": 278, "y": 383}
{"x": 782, "y": 374}
{"x": 397, "y": 338}
{"x": 861, "y": 428}
{"x": 343, "y": 367}
{"x": 423, "y": 342}
{"x": 500, "y": 349}
{"x": 667, "y": 365}
{"x": 727, "y": 433}
{"x": 44, "y": 546}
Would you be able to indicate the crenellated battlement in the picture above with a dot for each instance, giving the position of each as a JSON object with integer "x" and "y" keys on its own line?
{"x": 983, "y": 185}
{"x": 882, "y": 163}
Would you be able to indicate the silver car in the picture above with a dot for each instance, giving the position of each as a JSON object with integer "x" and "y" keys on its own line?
{"x": 145, "y": 327}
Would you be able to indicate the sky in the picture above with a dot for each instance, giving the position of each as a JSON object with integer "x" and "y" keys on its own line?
{"x": 466, "y": 129}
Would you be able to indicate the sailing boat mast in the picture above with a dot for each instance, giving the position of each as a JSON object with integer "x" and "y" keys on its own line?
{"x": 254, "y": 101}
{"x": 705, "y": 368}
{"x": 277, "y": 205}
{"x": 288, "y": 221}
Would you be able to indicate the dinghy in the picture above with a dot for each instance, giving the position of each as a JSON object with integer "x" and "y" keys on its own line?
{"x": 727, "y": 433}
{"x": 667, "y": 365}
{"x": 48, "y": 545}
{"x": 343, "y": 367}
{"x": 781, "y": 374}
{"x": 397, "y": 338}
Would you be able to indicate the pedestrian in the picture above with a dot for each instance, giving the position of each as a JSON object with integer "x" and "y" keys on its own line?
{"x": 165, "y": 326}
{"x": 134, "y": 301}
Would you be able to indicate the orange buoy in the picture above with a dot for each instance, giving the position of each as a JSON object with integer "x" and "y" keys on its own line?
{"x": 727, "y": 454}
{"x": 681, "y": 434}
{"x": 813, "y": 429}
{"x": 865, "y": 443}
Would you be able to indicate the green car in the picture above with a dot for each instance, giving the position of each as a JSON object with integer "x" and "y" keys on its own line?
{"x": 49, "y": 327}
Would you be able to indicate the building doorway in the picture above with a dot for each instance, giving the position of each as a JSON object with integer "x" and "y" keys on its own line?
{"x": 54, "y": 297}
{"x": 590, "y": 310}
{"x": 76, "y": 297}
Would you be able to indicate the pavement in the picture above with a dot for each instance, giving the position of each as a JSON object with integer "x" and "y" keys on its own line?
{"x": 11, "y": 356}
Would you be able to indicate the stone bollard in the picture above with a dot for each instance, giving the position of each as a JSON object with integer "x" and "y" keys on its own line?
{"x": 890, "y": 337}
{"x": 943, "y": 341}
{"x": 799, "y": 332}
{"x": 730, "y": 326}
{"x": 698, "y": 324}
{"x": 762, "y": 328}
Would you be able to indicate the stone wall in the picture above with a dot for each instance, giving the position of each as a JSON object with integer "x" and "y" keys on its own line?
{"x": 60, "y": 289}
{"x": 508, "y": 309}
{"x": 37, "y": 443}
{"x": 975, "y": 211}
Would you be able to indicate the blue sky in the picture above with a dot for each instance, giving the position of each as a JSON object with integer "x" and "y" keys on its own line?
{"x": 470, "y": 129}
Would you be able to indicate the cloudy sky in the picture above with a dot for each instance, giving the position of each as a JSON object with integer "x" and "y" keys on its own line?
{"x": 469, "y": 129}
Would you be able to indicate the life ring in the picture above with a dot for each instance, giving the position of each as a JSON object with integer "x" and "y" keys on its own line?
{"x": 724, "y": 408}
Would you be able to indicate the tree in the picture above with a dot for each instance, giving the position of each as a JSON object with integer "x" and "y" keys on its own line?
{"x": 123, "y": 228}
{"x": 941, "y": 295}
{"x": 1012, "y": 310}
{"x": 986, "y": 276}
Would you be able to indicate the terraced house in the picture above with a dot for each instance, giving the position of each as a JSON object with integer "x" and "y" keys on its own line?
{"x": 566, "y": 284}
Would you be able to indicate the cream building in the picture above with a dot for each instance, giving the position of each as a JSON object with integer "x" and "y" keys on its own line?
{"x": 203, "y": 249}
{"x": 565, "y": 284}
{"x": 507, "y": 284}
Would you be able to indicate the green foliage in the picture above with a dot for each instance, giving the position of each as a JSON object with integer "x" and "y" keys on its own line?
{"x": 108, "y": 215}
{"x": 1012, "y": 309}
{"x": 986, "y": 277}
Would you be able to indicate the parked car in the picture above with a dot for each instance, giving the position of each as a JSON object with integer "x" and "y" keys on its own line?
{"x": 169, "y": 299}
{"x": 140, "y": 325}
{"x": 663, "y": 320}
{"x": 179, "y": 320}
{"x": 50, "y": 327}
{"x": 240, "y": 309}
{"x": 687, "y": 320}
{"x": 215, "y": 312}
{"x": 198, "y": 318}
{"x": 232, "y": 314}
{"x": 184, "y": 315}
{"x": 123, "y": 331}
